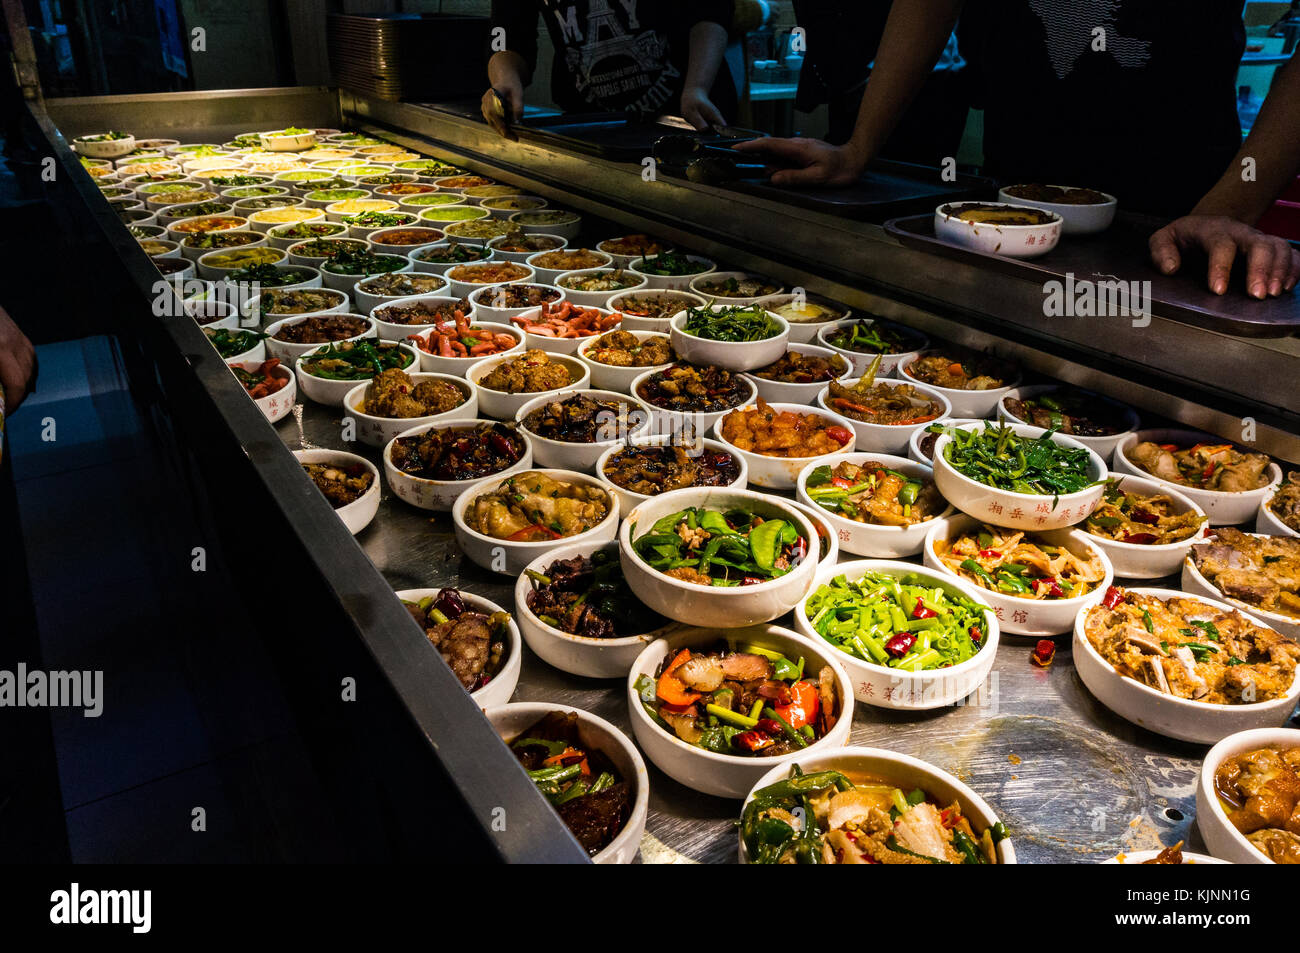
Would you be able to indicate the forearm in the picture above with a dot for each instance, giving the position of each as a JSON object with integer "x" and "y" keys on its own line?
{"x": 1271, "y": 146}
{"x": 708, "y": 41}
{"x": 506, "y": 66}
{"x": 915, "y": 34}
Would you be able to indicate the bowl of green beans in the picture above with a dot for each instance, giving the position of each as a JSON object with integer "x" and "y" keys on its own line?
{"x": 736, "y": 338}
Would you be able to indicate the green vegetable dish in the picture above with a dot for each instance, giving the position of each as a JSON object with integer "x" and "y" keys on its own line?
{"x": 232, "y": 343}
{"x": 855, "y": 817}
{"x": 266, "y": 276}
{"x": 997, "y": 456}
{"x": 356, "y": 360}
{"x": 872, "y": 337}
{"x": 731, "y": 324}
{"x": 898, "y": 622}
{"x": 712, "y": 548}
{"x": 670, "y": 263}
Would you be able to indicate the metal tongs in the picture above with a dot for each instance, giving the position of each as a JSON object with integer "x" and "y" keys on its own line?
{"x": 703, "y": 163}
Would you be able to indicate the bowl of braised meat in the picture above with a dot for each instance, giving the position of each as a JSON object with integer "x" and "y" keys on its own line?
{"x": 349, "y": 483}
{"x": 1246, "y": 796}
{"x": 395, "y": 401}
{"x": 572, "y": 429}
{"x": 971, "y": 382}
{"x": 1097, "y": 422}
{"x": 477, "y": 639}
{"x": 430, "y": 465}
{"x": 648, "y": 466}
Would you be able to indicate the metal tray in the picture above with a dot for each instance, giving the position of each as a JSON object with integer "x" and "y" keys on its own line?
{"x": 1120, "y": 254}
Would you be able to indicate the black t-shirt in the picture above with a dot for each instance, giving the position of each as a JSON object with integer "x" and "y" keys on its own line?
{"x": 616, "y": 55}
{"x": 1152, "y": 118}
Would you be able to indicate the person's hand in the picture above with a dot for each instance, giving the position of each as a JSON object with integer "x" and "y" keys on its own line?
{"x": 811, "y": 161}
{"x": 698, "y": 109}
{"x": 511, "y": 91}
{"x": 17, "y": 363}
{"x": 1272, "y": 265}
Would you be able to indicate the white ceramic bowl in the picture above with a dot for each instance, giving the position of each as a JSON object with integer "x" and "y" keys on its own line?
{"x": 555, "y": 345}
{"x": 379, "y": 246}
{"x": 258, "y": 240}
{"x": 1194, "y": 582}
{"x": 348, "y": 283}
{"x": 1135, "y": 857}
{"x": 592, "y": 299}
{"x": 885, "y": 438}
{"x": 265, "y": 219}
{"x": 211, "y": 312}
{"x": 861, "y": 360}
{"x": 1268, "y": 523}
{"x": 599, "y": 735}
{"x": 977, "y": 404}
{"x": 904, "y": 772}
{"x": 1028, "y": 511}
{"x": 729, "y": 301}
{"x": 522, "y": 256}
{"x": 503, "y": 206}
{"x": 567, "y": 228}
{"x": 691, "y": 425}
{"x": 674, "y": 282}
{"x": 503, "y": 406}
{"x": 805, "y": 332}
{"x": 1168, "y": 715}
{"x": 731, "y": 355}
{"x": 1138, "y": 561}
{"x": 611, "y": 376}
{"x": 358, "y": 230}
{"x": 1039, "y": 618}
{"x": 392, "y": 331}
{"x": 1221, "y": 837}
{"x": 788, "y": 393}
{"x": 366, "y": 300}
{"x": 621, "y": 259}
{"x": 629, "y": 499}
{"x": 376, "y": 431}
{"x": 289, "y": 351}
{"x": 209, "y": 268}
{"x": 498, "y": 689}
{"x": 509, "y": 557}
{"x": 245, "y": 291}
{"x": 1011, "y": 241}
{"x": 463, "y": 288}
{"x": 632, "y": 322}
{"x": 357, "y": 515}
{"x": 566, "y": 455}
{"x": 329, "y": 392}
{"x": 1103, "y": 446}
{"x": 298, "y": 251}
{"x": 887, "y": 687}
{"x": 872, "y": 539}
{"x": 337, "y": 211}
{"x": 177, "y": 234}
{"x": 288, "y": 142}
{"x": 579, "y": 654}
{"x": 274, "y": 406}
{"x": 252, "y": 306}
{"x": 103, "y": 148}
{"x": 485, "y": 304}
{"x": 1075, "y": 219}
{"x": 276, "y": 239}
{"x": 781, "y": 473}
{"x": 461, "y": 365}
{"x": 914, "y": 451}
{"x": 441, "y": 494}
{"x": 727, "y": 775}
{"x": 717, "y": 606}
{"x": 440, "y": 267}
{"x": 1223, "y": 509}
{"x": 547, "y": 276}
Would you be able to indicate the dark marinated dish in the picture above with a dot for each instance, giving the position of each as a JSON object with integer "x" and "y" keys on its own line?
{"x": 521, "y": 244}
{"x": 895, "y": 405}
{"x": 301, "y": 231}
{"x": 587, "y": 596}
{"x": 356, "y": 360}
{"x": 322, "y": 329}
{"x": 1259, "y": 791}
{"x": 793, "y": 367}
{"x": 871, "y": 492}
{"x": 233, "y": 343}
{"x": 1205, "y": 466}
{"x": 833, "y": 817}
{"x": 711, "y": 548}
{"x": 1020, "y": 564}
{"x": 262, "y": 382}
{"x": 328, "y": 247}
{"x": 871, "y": 337}
{"x": 1057, "y": 195}
{"x": 459, "y": 453}
{"x": 298, "y": 301}
{"x": 1169, "y": 855}
{"x": 342, "y": 483}
{"x": 687, "y": 388}
{"x": 424, "y": 312}
{"x": 650, "y": 305}
{"x": 406, "y": 236}
{"x": 660, "y": 469}
{"x": 638, "y": 245}
{"x": 1285, "y": 503}
{"x": 170, "y": 266}
{"x": 732, "y": 286}
{"x": 211, "y": 241}
{"x": 580, "y": 418}
{"x": 489, "y": 273}
{"x": 1138, "y": 518}
{"x": 401, "y": 284}
{"x": 960, "y": 373}
{"x": 1261, "y": 571}
{"x": 267, "y": 276}
{"x": 997, "y": 214}
{"x": 582, "y": 783}
{"x": 603, "y": 279}
{"x": 472, "y": 643}
{"x": 528, "y": 373}
{"x": 1188, "y": 649}
{"x": 569, "y": 259}
{"x": 393, "y": 394}
{"x": 740, "y": 700}
{"x": 532, "y": 507}
{"x": 625, "y": 349}
{"x": 517, "y": 296}
{"x": 783, "y": 433}
{"x": 1075, "y": 412}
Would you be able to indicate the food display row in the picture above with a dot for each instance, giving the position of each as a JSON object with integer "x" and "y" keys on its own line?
{"x": 776, "y": 522}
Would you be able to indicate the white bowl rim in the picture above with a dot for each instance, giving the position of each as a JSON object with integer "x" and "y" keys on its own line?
{"x": 1064, "y": 439}
{"x": 306, "y": 355}
{"x": 896, "y": 462}
{"x": 467, "y": 422}
{"x": 465, "y": 387}
{"x": 933, "y": 392}
{"x": 948, "y": 216}
{"x": 642, "y": 378}
{"x": 781, "y": 407}
{"x": 1185, "y": 502}
{"x": 487, "y": 484}
{"x": 662, "y": 439}
{"x": 909, "y": 359}
{"x": 561, "y": 395}
{"x": 1135, "y": 437}
{"x": 569, "y": 360}
{"x": 1217, "y": 755}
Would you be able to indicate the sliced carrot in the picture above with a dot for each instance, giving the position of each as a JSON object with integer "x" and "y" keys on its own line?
{"x": 670, "y": 688}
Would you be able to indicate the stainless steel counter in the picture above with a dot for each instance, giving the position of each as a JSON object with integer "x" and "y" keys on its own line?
{"x": 1072, "y": 781}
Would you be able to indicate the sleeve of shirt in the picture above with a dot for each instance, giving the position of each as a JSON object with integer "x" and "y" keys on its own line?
{"x": 519, "y": 19}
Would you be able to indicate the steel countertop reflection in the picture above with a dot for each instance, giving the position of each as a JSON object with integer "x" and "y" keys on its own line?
{"x": 1072, "y": 781}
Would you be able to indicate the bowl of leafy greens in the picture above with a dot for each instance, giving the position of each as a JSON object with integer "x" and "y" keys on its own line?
{"x": 736, "y": 338}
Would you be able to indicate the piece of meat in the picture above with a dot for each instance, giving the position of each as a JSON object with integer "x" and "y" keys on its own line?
{"x": 595, "y": 819}
{"x": 701, "y": 673}
{"x": 465, "y": 645}
{"x": 746, "y": 667}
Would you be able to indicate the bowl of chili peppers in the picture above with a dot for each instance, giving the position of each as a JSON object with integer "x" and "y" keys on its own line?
{"x": 269, "y": 383}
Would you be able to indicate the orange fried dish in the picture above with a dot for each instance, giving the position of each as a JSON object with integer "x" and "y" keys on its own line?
{"x": 783, "y": 433}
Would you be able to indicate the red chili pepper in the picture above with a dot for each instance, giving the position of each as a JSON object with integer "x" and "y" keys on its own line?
{"x": 839, "y": 434}
{"x": 1114, "y": 596}
{"x": 842, "y": 483}
{"x": 975, "y": 634}
{"x": 1044, "y": 653}
{"x": 768, "y": 727}
{"x": 802, "y": 708}
{"x": 1139, "y": 515}
{"x": 919, "y": 611}
{"x": 751, "y": 581}
{"x": 900, "y": 644}
{"x": 1053, "y": 588}
{"x": 989, "y": 554}
{"x": 754, "y": 740}
{"x": 1141, "y": 538}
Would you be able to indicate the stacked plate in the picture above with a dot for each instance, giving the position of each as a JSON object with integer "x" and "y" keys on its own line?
{"x": 386, "y": 57}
